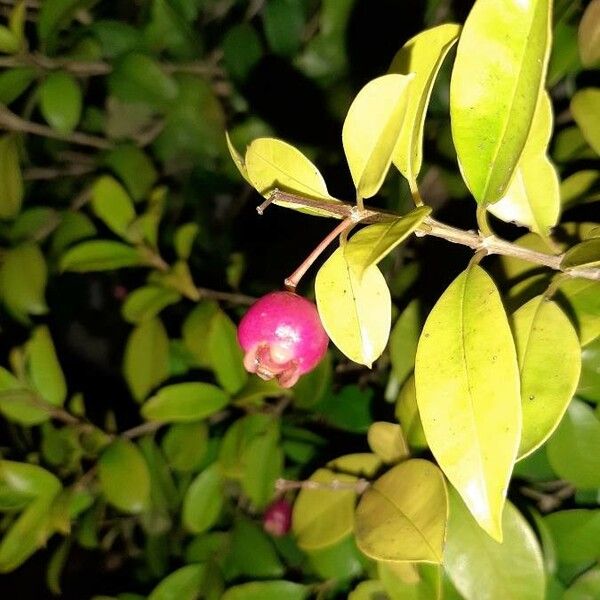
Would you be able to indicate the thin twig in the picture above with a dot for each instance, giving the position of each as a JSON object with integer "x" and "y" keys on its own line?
{"x": 143, "y": 429}
{"x": 230, "y": 297}
{"x": 475, "y": 240}
{"x": 98, "y": 68}
{"x": 358, "y": 486}
{"x": 12, "y": 122}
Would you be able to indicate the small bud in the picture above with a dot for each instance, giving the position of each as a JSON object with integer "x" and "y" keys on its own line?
{"x": 277, "y": 519}
{"x": 282, "y": 337}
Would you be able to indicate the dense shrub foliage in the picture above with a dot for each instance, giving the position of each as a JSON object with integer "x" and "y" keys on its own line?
{"x": 446, "y": 446}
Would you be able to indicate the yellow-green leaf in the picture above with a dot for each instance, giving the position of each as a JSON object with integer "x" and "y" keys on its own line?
{"x": 533, "y": 196}
{"x": 237, "y": 158}
{"x": 146, "y": 362}
{"x": 422, "y": 55}
{"x": 356, "y": 313}
{"x": 26, "y": 535}
{"x": 402, "y": 516}
{"x": 467, "y": 383}
{"x": 185, "y": 402}
{"x": 585, "y": 254}
{"x": 146, "y": 302}
{"x": 497, "y": 78}
{"x": 203, "y": 500}
{"x": 323, "y": 517}
{"x": 61, "y": 101}
{"x": 360, "y": 464}
{"x": 183, "y": 584}
{"x": 589, "y": 35}
{"x": 583, "y": 299}
{"x": 100, "y": 255}
{"x": 44, "y": 369}
{"x": 112, "y": 204}
{"x": 267, "y": 590}
{"x": 387, "y": 441}
{"x": 373, "y": 243}
{"x": 371, "y": 130}
{"x": 411, "y": 581}
{"x": 585, "y": 107}
{"x": 11, "y": 179}
{"x": 482, "y": 569}
{"x": 28, "y": 480}
{"x": 548, "y": 379}
{"x": 407, "y": 413}
{"x": 272, "y": 164}
{"x": 24, "y": 295}
{"x": 579, "y": 187}
{"x": 124, "y": 476}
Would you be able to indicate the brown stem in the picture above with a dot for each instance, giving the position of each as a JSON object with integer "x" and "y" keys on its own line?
{"x": 358, "y": 486}
{"x": 143, "y": 429}
{"x": 293, "y": 280}
{"x": 95, "y": 68}
{"x": 472, "y": 239}
{"x": 12, "y": 122}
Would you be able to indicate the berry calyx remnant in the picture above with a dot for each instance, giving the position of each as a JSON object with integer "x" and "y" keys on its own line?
{"x": 282, "y": 337}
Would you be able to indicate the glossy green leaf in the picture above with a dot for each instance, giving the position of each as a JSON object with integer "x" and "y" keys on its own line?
{"x": 585, "y": 254}
{"x": 589, "y": 35}
{"x": 14, "y": 82}
{"x": 100, "y": 255}
{"x": 372, "y": 129}
{"x": 56, "y": 565}
{"x": 111, "y": 204}
{"x": 407, "y": 413}
{"x": 242, "y": 49}
{"x": 373, "y": 243}
{"x": 184, "y": 402}
{"x": 576, "y": 535}
{"x": 548, "y": 379}
{"x": 185, "y": 445}
{"x": 146, "y": 302}
{"x": 11, "y": 179}
{"x": 342, "y": 561}
{"x": 586, "y": 587}
{"x": 124, "y": 476}
{"x": 73, "y": 227}
{"x": 134, "y": 168}
{"x": 368, "y": 590}
{"x": 312, "y": 387}
{"x": 574, "y": 449}
{"x": 466, "y": 356}
{"x": 138, "y": 78}
{"x": 356, "y": 313}
{"x": 26, "y": 535}
{"x": 481, "y": 568}
{"x": 271, "y": 164}
{"x": 45, "y": 372}
{"x": 402, "y": 515}
{"x": 348, "y": 409}
{"x": 403, "y": 341}
{"x": 496, "y": 82}
{"x": 203, "y": 501}
{"x": 387, "y": 441}
{"x": 183, "y": 584}
{"x": 61, "y": 101}
{"x": 532, "y": 198}
{"x": 24, "y": 295}
{"x": 582, "y": 300}
{"x": 323, "y": 517}
{"x": 585, "y": 107}
{"x": 422, "y": 55}
{"x": 267, "y": 590}
{"x": 146, "y": 361}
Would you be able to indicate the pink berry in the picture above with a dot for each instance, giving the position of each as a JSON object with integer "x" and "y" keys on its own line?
{"x": 282, "y": 337}
{"x": 277, "y": 519}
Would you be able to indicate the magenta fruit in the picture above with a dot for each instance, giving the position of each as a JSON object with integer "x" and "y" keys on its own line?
{"x": 282, "y": 337}
{"x": 277, "y": 519}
